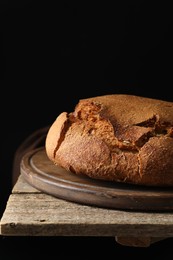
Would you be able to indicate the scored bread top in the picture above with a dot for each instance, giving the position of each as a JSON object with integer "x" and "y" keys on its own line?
{"x": 116, "y": 137}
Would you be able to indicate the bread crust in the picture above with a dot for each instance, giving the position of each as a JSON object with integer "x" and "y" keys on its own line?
{"x": 118, "y": 137}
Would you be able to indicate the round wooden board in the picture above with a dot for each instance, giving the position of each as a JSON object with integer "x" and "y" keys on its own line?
{"x": 42, "y": 174}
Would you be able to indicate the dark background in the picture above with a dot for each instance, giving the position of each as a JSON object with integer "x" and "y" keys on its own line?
{"x": 52, "y": 56}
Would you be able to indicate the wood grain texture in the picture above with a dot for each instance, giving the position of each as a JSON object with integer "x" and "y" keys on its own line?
{"x": 35, "y": 213}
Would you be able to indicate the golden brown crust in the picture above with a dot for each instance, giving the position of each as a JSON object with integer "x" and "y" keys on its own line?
{"x": 54, "y": 135}
{"x": 116, "y": 137}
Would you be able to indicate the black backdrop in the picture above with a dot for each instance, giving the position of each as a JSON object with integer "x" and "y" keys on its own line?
{"x": 52, "y": 56}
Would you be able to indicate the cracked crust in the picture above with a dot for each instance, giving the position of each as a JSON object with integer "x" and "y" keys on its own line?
{"x": 118, "y": 137}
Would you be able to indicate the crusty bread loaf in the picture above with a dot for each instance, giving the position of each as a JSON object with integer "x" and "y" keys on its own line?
{"x": 118, "y": 137}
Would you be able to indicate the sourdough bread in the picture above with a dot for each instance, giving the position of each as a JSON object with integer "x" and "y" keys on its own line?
{"x": 118, "y": 137}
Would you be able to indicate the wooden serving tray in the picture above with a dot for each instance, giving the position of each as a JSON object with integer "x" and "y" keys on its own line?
{"x": 42, "y": 174}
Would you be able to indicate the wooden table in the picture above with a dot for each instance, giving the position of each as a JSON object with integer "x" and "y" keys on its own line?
{"x": 30, "y": 212}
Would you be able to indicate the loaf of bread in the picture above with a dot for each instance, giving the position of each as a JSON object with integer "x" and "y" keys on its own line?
{"x": 119, "y": 137}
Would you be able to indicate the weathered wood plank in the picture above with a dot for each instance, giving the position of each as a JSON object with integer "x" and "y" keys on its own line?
{"x": 22, "y": 186}
{"x": 44, "y": 215}
{"x": 30, "y": 212}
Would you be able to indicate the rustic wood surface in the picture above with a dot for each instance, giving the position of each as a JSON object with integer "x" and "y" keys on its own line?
{"x": 33, "y": 212}
{"x": 41, "y": 173}
{"x": 30, "y": 212}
